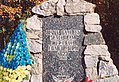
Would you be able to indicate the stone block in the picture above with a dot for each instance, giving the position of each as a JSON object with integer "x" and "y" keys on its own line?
{"x": 46, "y": 8}
{"x": 37, "y": 61}
{"x": 94, "y": 39}
{"x": 93, "y": 28}
{"x": 91, "y": 61}
{"x": 37, "y": 67}
{"x": 105, "y": 58}
{"x": 34, "y": 35}
{"x": 107, "y": 69}
{"x": 109, "y": 79}
{"x": 74, "y": 7}
{"x": 54, "y": 1}
{"x": 97, "y": 50}
{"x": 31, "y": 34}
{"x": 35, "y": 47}
{"x": 36, "y": 78}
{"x": 89, "y": 7}
{"x": 34, "y": 23}
{"x": 92, "y": 19}
{"x": 38, "y": 55}
{"x": 60, "y": 7}
{"x": 91, "y": 73}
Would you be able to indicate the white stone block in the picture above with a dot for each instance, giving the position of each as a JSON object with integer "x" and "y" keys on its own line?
{"x": 107, "y": 69}
{"x": 91, "y": 73}
{"x": 34, "y": 23}
{"x": 92, "y": 19}
{"x": 60, "y": 7}
{"x": 36, "y": 78}
{"x": 46, "y": 8}
{"x": 34, "y": 46}
{"x": 37, "y": 67}
{"x": 97, "y": 50}
{"x": 76, "y": 7}
{"x": 91, "y": 61}
{"x": 93, "y": 28}
{"x": 109, "y": 79}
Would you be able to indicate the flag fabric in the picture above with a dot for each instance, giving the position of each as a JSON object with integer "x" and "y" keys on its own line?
{"x": 15, "y": 59}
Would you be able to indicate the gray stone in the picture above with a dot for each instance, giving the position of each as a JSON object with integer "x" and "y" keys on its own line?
{"x": 54, "y": 1}
{"x": 60, "y": 7}
{"x": 109, "y": 79}
{"x": 39, "y": 41}
{"x": 35, "y": 35}
{"x": 38, "y": 55}
{"x": 72, "y": 7}
{"x": 31, "y": 35}
{"x": 76, "y": 7}
{"x": 62, "y": 48}
{"x": 36, "y": 78}
{"x": 97, "y": 50}
{"x": 93, "y": 28}
{"x": 91, "y": 61}
{"x": 38, "y": 33}
{"x": 37, "y": 66}
{"x": 89, "y": 7}
{"x": 91, "y": 73}
{"x": 94, "y": 39}
{"x": 92, "y": 19}
{"x": 35, "y": 47}
{"x": 46, "y": 8}
{"x": 105, "y": 58}
{"x": 37, "y": 60}
{"x": 107, "y": 69}
{"x": 34, "y": 23}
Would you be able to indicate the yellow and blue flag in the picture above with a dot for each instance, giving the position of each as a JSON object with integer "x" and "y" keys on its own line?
{"x": 15, "y": 59}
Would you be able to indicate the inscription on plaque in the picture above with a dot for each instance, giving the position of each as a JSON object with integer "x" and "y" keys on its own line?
{"x": 63, "y": 41}
{"x": 62, "y": 49}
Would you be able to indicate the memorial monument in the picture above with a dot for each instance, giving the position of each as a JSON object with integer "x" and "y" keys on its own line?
{"x": 67, "y": 45}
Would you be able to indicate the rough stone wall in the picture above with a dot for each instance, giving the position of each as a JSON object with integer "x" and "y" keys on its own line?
{"x": 99, "y": 65}
{"x": 34, "y": 34}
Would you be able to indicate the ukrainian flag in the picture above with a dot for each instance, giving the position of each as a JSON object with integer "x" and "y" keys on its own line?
{"x": 14, "y": 58}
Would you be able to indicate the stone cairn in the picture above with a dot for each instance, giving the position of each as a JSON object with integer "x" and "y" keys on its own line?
{"x": 99, "y": 65}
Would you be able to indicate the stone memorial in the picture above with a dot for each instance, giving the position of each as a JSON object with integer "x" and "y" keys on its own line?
{"x": 67, "y": 45}
{"x": 63, "y": 48}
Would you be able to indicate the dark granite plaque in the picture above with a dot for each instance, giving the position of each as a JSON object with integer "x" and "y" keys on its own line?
{"x": 62, "y": 49}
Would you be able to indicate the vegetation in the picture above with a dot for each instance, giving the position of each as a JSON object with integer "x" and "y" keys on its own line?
{"x": 11, "y": 12}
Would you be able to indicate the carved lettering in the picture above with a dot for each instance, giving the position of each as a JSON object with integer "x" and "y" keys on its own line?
{"x": 63, "y": 40}
{"x": 63, "y": 48}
